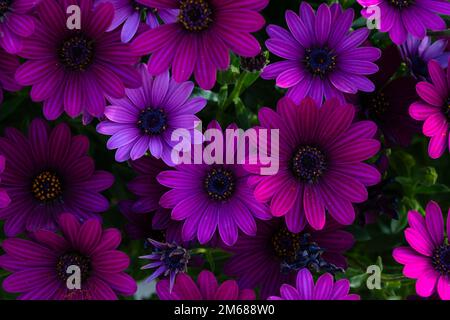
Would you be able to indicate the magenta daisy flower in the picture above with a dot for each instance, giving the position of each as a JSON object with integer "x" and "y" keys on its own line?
{"x": 323, "y": 58}
{"x": 201, "y": 38}
{"x": 47, "y": 173}
{"x": 324, "y": 289}
{"x": 8, "y": 68}
{"x": 145, "y": 119}
{"x": 5, "y": 200}
{"x": 129, "y": 12}
{"x": 16, "y": 22}
{"x": 428, "y": 257}
{"x": 434, "y": 109}
{"x": 206, "y": 288}
{"x": 403, "y": 17}
{"x": 74, "y": 70}
{"x": 40, "y": 266}
{"x": 321, "y": 163}
{"x": 274, "y": 255}
{"x": 212, "y": 197}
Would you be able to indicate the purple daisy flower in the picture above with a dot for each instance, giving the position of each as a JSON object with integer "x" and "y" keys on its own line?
{"x": 211, "y": 197}
{"x": 169, "y": 259}
{"x": 417, "y": 53}
{"x": 201, "y": 37}
{"x": 16, "y": 22}
{"x": 321, "y": 164}
{"x": 206, "y": 288}
{"x": 427, "y": 258}
{"x": 155, "y": 225}
{"x": 8, "y": 68}
{"x": 74, "y": 70}
{"x": 129, "y": 12}
{"x": 49, "y": 172}
{"x": 388, "y": 105}
{"x": 403, "y": 17}
{"x": 323, "y": 58}
{"x": 323, "y": 289}
{"x": 434, "y": 109}
{"x": 40, "y": 266}
{"x": 146, "y": 117}
{"x": 274, "y": 255}
{"x": 5, "y": 200}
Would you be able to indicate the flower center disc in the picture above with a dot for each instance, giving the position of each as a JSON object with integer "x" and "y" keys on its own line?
{"x": 286, "y": 245}
{"x": 195, "y": 15}
{"x": 441, "y": 259}
{"x": 47, "y": 187}
{"x": 73, "y": 259}
{"x": 320, "y": 61}
{"x": 379, "y": 104}
{"x": 308, "y": 164}
{"x": 77, "y": 53}
{"x": 152, "y": 121}
{"x": 220, "y": 184}
{"x": 401, "y": 3}
{"x": 4, "y": 7}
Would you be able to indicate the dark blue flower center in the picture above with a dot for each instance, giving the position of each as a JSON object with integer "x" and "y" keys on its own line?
{"x": 320, "y": 61}
{"x": 152, "y": 121}
{"x": 195, "y": 15}
{"x": 4, "y": 7}
{"x": 297, "y": 251}
{"x": 175, "y": 258}
{"x": 220, "y": 184}
{"x": 73, "y": 259}
{"x": 379, "y": 104}
{"x": 308, "y": 164}
{"x": 47, "y": 187}
{"x": 441, "y": 259}
{"x": 77, "y": 52}
{"x": 401, "y": 3}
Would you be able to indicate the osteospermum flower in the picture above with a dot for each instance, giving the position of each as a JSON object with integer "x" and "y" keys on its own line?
{"x": 201, "y": 37}
{"x": 129, "y": 12}
{"x": 8, "y": 67}
{"x": 417, "y": 53}
{"x": 428, "y": 257}
{"x": 41, "y": 267}
{"x": 49, "y": 172}
{"x": 168, "y": 259}
{"x": 434, "y": 109}
{"x": 274, "y": 255}
{"x": 74, "y": 70}
{"x": 403, "y": 17}
{"x": 323, "y": 58}
{"x": 16, "y": 23}
{"x": 146, "y": 118}
{"x": 206, "y": 288}
{"x": 323, "y": 289}
{"x": 321, "y": 167}
{"x": 212, "y": 197}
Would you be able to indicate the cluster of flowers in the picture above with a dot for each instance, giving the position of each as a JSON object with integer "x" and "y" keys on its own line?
{"x": 279, "y": 229}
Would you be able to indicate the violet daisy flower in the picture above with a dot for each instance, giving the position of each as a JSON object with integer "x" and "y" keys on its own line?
{"x": 274, "y": 255}
{"x": 323, "y": 289}
{"x": 434, "y": 109}
{"x": 321, "y": 164}
{"x": 417, "y": 53}
{"x": 169, "y": 259}
{"x": 8, "y": 68}
{"x": 323, "y": 58}
{"x": 403, "y": 17}
{"x": 201, "y": 38}
{"x": 16, "y": 22}
{"x": 206, "y": 288}
{"x": 129, "y": 12}
{"x": 5, "y": 200}
{"x": 146, "y": 117}
{"x": 40, "y": 266}
{"x": 212, "y": 197}
{"x": 427, "y": 258}
{"x": 74, "y": 70}
{"x": 49, "y": 172}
